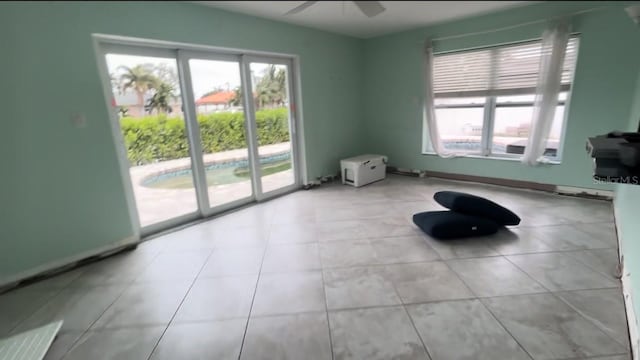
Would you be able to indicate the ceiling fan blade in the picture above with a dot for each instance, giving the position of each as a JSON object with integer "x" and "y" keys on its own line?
{"x": 301, "y": 7}
{"x": 370, "y": 8}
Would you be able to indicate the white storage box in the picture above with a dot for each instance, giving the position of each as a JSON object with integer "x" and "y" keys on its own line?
{"x": 364, "y": 169}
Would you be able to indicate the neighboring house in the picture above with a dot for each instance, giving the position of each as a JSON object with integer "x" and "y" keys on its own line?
{"x": 206, "y": 104}
{"x": 521, "y": 130}
{"x": 129, "y": 101}
{"x": 220, "y": 100}
{"x": 470, "y": 129}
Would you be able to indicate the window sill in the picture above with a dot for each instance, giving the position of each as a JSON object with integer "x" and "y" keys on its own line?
{"x": 507, "y": 158}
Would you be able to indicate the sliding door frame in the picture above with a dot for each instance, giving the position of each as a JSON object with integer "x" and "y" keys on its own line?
{"x": 182, "y": 52}
{"x": 191, "y": 114}
{"x": 252, "y": 133}
{"x": 292, "y": 120}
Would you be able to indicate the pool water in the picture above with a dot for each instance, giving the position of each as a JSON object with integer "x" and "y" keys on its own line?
{"x": 218, "y": 174}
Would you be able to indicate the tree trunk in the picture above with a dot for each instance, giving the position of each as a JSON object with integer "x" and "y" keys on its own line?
{"x": 140, "y": 102}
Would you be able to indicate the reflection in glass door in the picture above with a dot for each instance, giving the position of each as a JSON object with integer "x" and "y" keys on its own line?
{"x": 273, "y": 124}
{"x": 146, "y": 96}
{"x": 219, "y": 110}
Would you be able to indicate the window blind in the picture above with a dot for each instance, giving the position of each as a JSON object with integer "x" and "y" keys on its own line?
{"x": 502, "y": 70}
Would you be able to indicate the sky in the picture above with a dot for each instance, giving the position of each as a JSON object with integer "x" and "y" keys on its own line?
{"x": 206, "y": 75}
{"x": 452, "y": 122}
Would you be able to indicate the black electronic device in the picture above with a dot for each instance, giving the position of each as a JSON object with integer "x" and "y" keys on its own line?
{"x": 616, "y": 155}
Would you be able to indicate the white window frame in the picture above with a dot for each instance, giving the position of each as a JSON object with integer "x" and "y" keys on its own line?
{"x": 490, "y": 105}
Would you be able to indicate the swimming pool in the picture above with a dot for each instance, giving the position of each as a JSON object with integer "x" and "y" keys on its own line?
{"x": 217, "y": 173}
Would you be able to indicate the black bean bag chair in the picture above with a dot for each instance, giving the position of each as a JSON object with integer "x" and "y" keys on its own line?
{"x": 451, "y": 225}
{"x": 477, "y": 206}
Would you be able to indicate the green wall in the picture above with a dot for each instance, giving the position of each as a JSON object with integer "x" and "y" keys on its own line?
{"x": 64, "y": 193}
{"x": 394, "y": 88}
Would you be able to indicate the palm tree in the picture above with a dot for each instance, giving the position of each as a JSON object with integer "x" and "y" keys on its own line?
{"x": 115, "y": 82}
{"x": 139, "y": 78}
{"x": 263, "y": 95}
{"x": 123, "y": 111}
{"x": 280, "y": 79}
{"x": 271, "y": 89}
{"x": 167, "y": 74}
{"x": 237, "y": 97}
{"x": 160, "y": 99}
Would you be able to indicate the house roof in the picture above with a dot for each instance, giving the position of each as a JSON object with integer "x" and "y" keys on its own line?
{"x": 218, "y": 98}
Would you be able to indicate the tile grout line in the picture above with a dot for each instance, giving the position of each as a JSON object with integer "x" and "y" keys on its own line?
{"x": 55, "y": 291}
{"x": 415, "y": 328}
{"x": 505, "y": 258}
{"x": 195, "y": 278}
{"x": 41, "y": 307}
{"x": 55, "y": 294}
{"x": 479, "y": 299}
{"x": 124, "y": 289}
{"x": 326, "y": 309}
{"x": 560, "y": 251}
{"x": 505, "y": 328}
{"x": 255, "y": 291}
{"x": 554, "y": 291}
{"x": 545, "y": 291}
{"x": 440, "y": 259}
{"x": 324, "y": 288}
{"x": 486, "y": 243}
{"x": 558, "y": 297}
{"x": 555, "y": 295}
{"x": 337, "y": 241}
{"x": 569, "y": 223}
{"x": 526, "y": 273}
{"x": 616, "y": 279}
{"x": 385, "y": 306}
{"x": 596, "y": 357}
{"x": 68, "y": 286}
{"x": 459, "y": 277}
{"x": 97, "y": 318}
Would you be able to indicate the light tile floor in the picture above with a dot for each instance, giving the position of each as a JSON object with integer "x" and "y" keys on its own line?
{"x": 342, "y": 273}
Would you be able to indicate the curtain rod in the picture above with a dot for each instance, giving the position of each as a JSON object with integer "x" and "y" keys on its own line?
{"x": 517, "y": 25}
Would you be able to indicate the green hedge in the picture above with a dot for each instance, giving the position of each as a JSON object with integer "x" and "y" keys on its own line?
{"x": 159, "y": 137}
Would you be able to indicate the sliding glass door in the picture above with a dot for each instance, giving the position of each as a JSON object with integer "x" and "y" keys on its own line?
{"x": 215, "y": 97}
{"x": 197, "y": 142}
{"x": 270, "y": 82}
{"x": 146, "y": 98}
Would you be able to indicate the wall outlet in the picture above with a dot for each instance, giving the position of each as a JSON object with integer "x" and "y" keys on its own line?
{"x": 79, "y": 120}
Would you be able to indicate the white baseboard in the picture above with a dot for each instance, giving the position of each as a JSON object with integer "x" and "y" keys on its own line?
{"x": 410, "y": 171}
{"x": 632, "y": 320}
{"x": 572, "y": 190}
{"x": 631, "y": 315}
{"x": 59, "y": 264}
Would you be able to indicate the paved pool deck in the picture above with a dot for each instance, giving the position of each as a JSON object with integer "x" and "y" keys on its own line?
{"x": 156, "y": 204}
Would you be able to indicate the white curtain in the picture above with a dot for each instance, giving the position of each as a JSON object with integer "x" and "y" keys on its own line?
{"x": 429, "y": 108}
{"x": 554, "y": 45}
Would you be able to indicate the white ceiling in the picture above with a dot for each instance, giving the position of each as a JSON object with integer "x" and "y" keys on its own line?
{"x": 345, "y": 18}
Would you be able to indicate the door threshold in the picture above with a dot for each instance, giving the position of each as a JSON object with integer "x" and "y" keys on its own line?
{"x": 164, "y": 231}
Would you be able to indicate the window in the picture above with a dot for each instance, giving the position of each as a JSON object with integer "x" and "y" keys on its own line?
{"x": 484, "y": 99}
